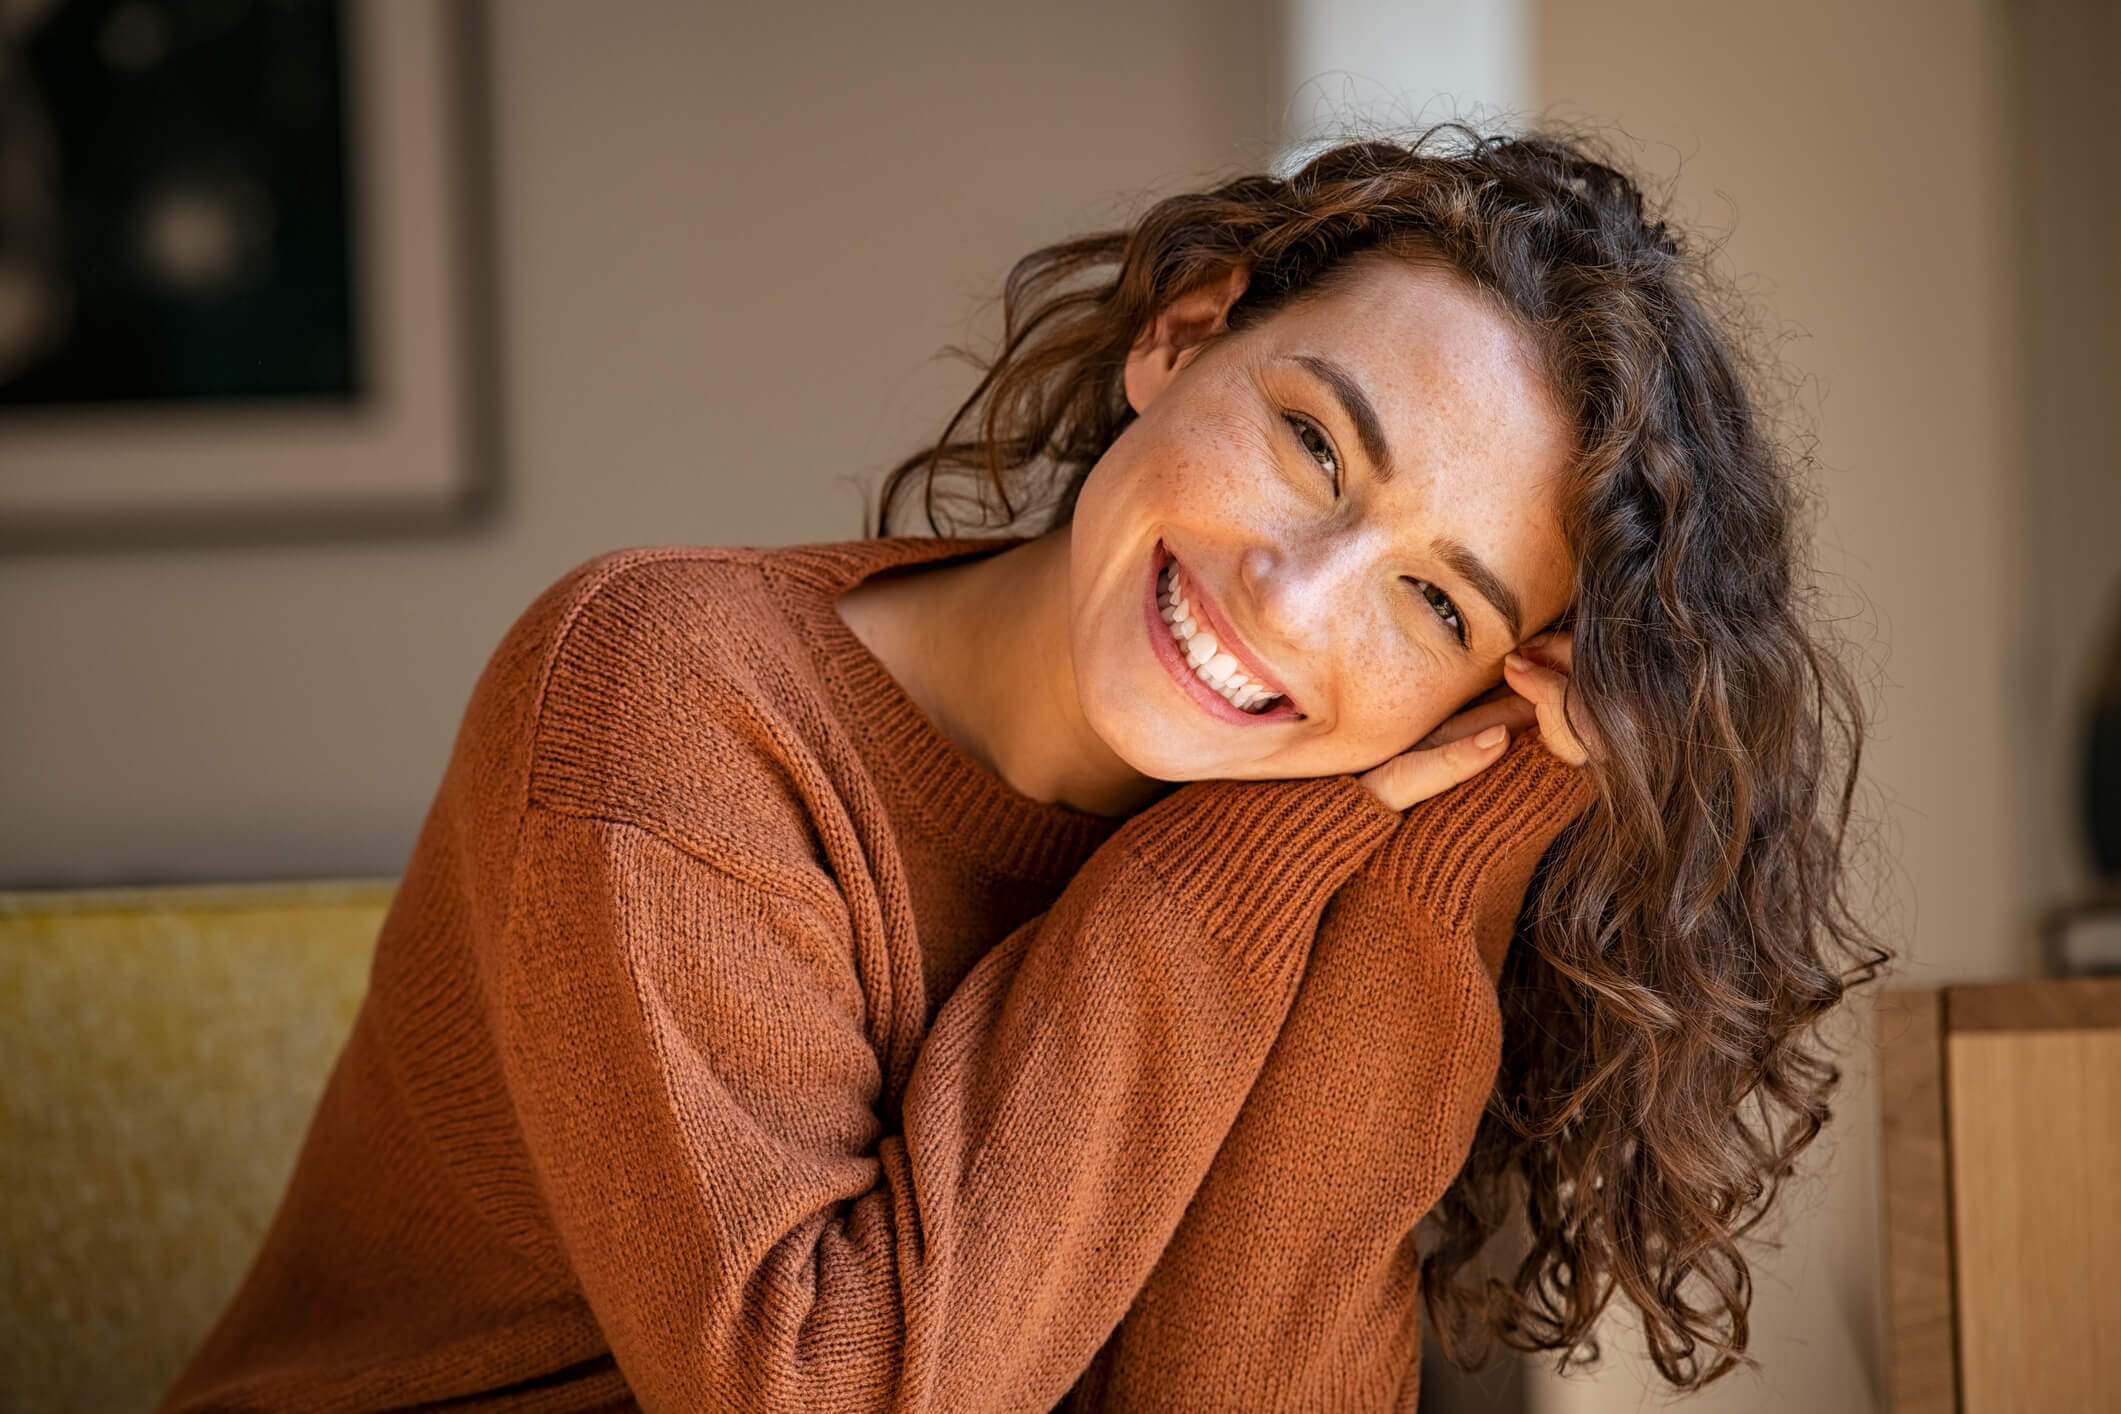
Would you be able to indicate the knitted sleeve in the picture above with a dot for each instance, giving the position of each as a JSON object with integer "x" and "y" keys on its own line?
{"x": 694, "y": 1071}
{"x": 1293, "y": 1282}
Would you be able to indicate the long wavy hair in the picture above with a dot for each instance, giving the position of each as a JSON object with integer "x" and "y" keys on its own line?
{"x": 1680, "y": 943}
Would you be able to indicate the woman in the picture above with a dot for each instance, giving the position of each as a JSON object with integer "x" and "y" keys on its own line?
{"x": 1011, "y": 972}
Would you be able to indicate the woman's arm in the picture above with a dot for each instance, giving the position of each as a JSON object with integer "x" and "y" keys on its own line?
{"x": 692, "y": 1055}
{"x": 1293, "y": 1282}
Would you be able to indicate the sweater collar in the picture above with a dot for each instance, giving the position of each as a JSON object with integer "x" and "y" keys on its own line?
{"x": 958, "y": 803}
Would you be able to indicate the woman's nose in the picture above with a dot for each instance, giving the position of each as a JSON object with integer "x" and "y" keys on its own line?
{"x": 1297, "y": 591}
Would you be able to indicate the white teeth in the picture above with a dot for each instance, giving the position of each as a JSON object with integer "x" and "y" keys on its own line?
{"x": 1213, "y": 666}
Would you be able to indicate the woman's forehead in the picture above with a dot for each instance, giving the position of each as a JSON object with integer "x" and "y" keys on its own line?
{"x": 1404, "y": 318}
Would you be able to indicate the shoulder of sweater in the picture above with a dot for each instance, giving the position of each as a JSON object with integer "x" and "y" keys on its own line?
{"x": 666, "y": 689}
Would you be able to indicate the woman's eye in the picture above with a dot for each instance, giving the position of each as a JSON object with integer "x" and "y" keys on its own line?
{"x": 1317, "y": 444}
{"x": 1445, "y": 609}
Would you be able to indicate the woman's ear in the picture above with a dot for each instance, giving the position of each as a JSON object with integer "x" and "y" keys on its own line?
{"x": 1177, "y": 332}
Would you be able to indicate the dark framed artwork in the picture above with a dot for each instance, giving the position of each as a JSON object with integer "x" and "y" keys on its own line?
{"x": 243, "y": 269}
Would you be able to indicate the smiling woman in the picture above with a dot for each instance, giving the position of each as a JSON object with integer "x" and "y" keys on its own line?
{"x": 1131, "y": 965}
{"x": 1390, "y": 415}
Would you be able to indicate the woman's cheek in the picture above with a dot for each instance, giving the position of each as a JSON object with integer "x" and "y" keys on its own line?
{"x": 1402, "y": 701}
{"x": 1227, "y": 466}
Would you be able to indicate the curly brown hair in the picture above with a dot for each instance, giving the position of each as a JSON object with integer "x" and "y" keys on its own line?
{"x": 1681, "y": 942}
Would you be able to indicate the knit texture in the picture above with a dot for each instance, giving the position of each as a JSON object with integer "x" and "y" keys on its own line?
{"x": 734, "y": 1041}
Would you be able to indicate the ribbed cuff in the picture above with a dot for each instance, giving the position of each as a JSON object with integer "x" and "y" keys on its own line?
{"x": 1451, "y": 848}
{"x": 1249, "y": 860}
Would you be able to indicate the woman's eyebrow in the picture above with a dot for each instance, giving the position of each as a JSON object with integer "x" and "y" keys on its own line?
{"x": 1486, "y": 583}
{"x": 1369, "y": 428}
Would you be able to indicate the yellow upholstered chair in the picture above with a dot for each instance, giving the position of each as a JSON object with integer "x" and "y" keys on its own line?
{"x": 161, "y": 1052}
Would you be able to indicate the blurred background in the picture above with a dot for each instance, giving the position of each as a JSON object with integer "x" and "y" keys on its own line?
{"x": 688, "y": 269}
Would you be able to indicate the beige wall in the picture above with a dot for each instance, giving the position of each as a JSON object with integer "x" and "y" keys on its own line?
{"x": 731, "y": 241}
{"x": 1856, "y": 155}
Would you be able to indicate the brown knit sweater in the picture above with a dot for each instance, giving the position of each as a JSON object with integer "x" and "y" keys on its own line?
{"x": 736, "y": 1042}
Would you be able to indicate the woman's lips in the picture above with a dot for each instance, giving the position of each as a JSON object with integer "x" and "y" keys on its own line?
{"x": 1226, "y": 637}
{"x": 1166, "y": 649}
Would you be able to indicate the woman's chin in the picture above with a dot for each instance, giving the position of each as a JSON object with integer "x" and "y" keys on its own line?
{"x": 1161, "y": 763}
{"x": 1154, "y": 748}
{"x": 1165, "y": 754}
{"x": 1169, "y": 739}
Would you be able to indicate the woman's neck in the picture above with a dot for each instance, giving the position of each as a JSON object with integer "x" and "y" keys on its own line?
{"x": 982, "y": 647}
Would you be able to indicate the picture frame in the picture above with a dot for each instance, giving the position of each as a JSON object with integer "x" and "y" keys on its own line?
{"x": 415, "y": 449}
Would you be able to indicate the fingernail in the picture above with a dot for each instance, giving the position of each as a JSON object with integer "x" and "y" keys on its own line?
{"x": 1492, "y": 737}
{"x": 1517, "y": 662}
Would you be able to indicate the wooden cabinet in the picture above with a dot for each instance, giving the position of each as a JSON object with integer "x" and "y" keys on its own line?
{"x": 2003, "y": 1196}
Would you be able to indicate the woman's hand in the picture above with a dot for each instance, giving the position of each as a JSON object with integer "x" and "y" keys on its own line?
{"x": 1533, "y": 689}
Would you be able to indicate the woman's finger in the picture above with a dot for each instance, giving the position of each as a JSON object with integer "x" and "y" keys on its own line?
{"x": 1413, "y": 776}
{"x": 1547, "y": 691}
{"x": 1508, "y": 710}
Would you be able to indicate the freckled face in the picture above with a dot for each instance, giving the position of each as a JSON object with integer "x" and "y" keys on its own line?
{"x": 1344, "y": 581}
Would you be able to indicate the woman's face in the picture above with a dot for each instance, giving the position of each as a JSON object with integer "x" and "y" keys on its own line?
{"x": 1361, "y": 495}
